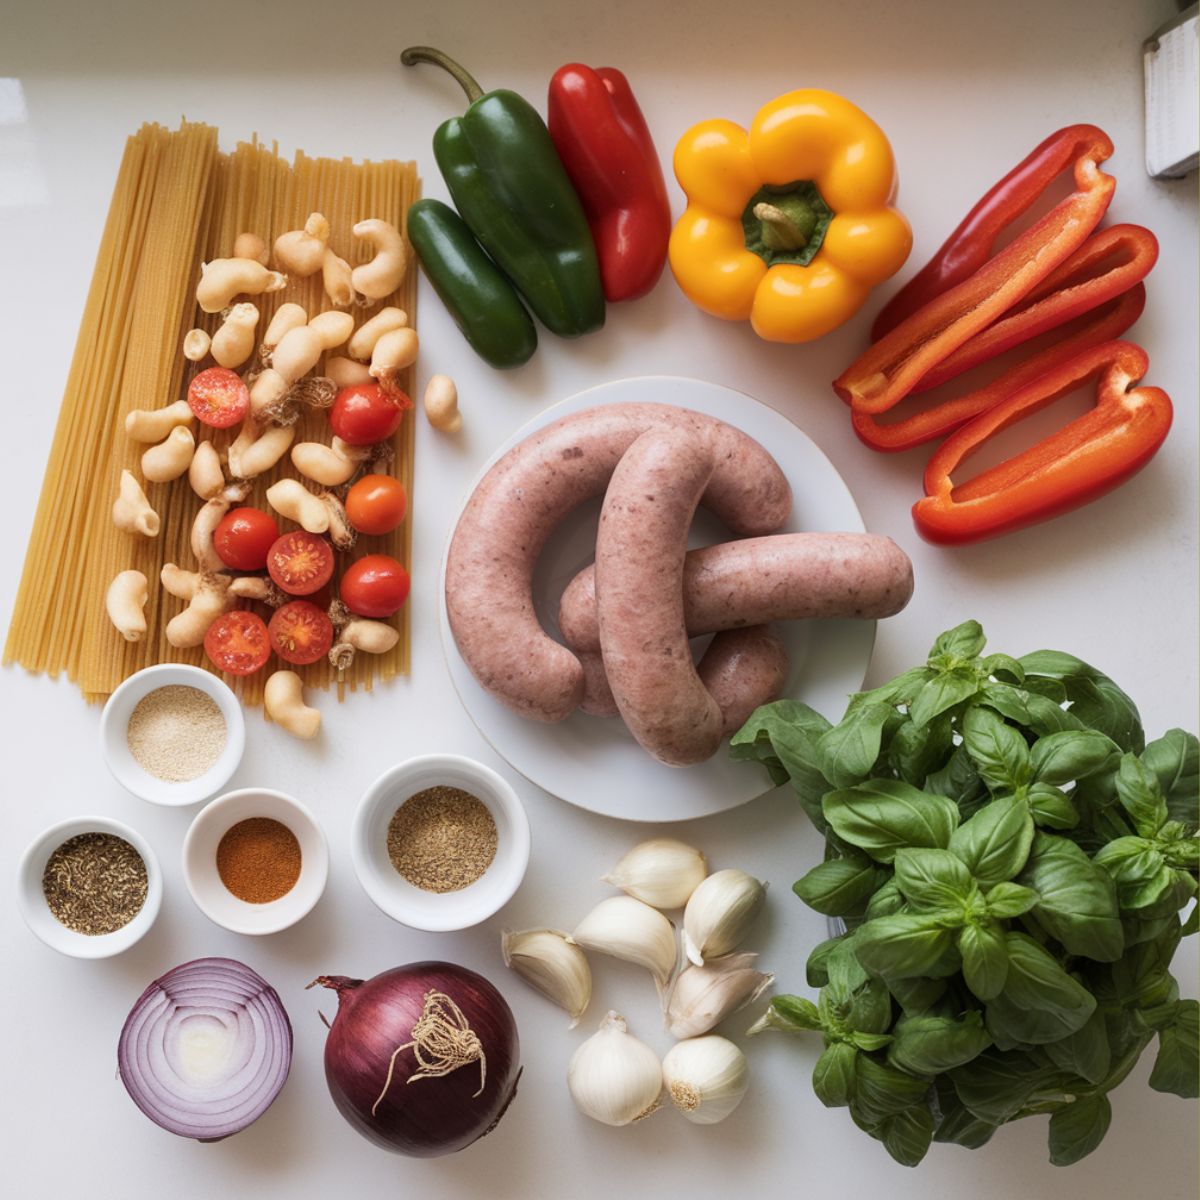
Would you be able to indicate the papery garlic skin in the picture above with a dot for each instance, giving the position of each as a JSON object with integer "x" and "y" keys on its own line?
{"x": 719, "y": 914}
{"x": 661, "y": 872}
{"x": 556, "y": 967}
{"x": 704, "y": 996}
{"x": 626, "y": 928}
{"x": 706, "y": 1078}
{"x": 613, "y": 1077}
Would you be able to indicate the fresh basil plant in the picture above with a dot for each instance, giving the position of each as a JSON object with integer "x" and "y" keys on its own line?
{"x": 1010, "y": 860}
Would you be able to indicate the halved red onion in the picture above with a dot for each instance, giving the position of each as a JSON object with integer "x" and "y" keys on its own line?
{"x": 206, "y": 1049}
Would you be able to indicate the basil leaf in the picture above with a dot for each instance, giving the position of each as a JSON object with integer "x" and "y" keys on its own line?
{"x": 958, "y": 781}
{"x": 900, "y": 690}
{"x": 1052, "y": 807}
{"x": 902, "y": 946}
{"x": 944, "y": 691}
{"x": 1101, "y": 705}
{"x": 869, "y": 1042}
{"x": 996, "y": 664}
{"x": 1008, "y": 900}
{"x": 1077, "y": 902}
{"x": 789, "y": 1014}
{"x": 1192, "y": 924}
{"x": 1137, "y": 868}
{"x": 846, "y": 753}
{"x": 915, "y": 750}
{"x": 1056, "y": 664}
{"x": 783, "y": 736}
{"x": 871, "y": 1008}
{"x": 907, "y": 1135}
{"x": 833, "y": 1076}
{"x": 995, "y": 1086}
{"x": 994, "y": 843}
{"x": 883, "y": 815}
{"x": 963, "y": 641}
{"x": 1060, "y": 758}
{"x": 998, "y": 750}
{"x": 959, "y": 1126}
{"x": 1040, "y": 1002}
{"x": 1142, "y": 977}
{"x": 846, "y": 974}
{"x": 1085, "y": 1052}
{"x": 1177, "y": 1066}
{"x": 1141, "y": 796}
{"x": 932, "y": 879}
{"x": 886, "y": 901}
{"x": 917, "y": 995}
{"x": 928, "y": 1044}
{"x": 1077, "y": 1129}
{"x": 1175, "y": 759}
{"x": 1041, "y": 714}
{"x": 985, "y": 959}
{"x": 838, "y": 886}
{"x": 816, "y": 969}
{"x": 881, "y": 1091}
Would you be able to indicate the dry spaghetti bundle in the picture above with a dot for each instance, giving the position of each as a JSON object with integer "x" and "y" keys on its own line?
{"x": 179, "y": 202}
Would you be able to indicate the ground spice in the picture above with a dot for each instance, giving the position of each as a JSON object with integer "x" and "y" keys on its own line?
{"x": 258, "y": 860}
{"x": 442, "y": 839}
{"x": 95, "y": 883}
{"x": 176, "y": 733}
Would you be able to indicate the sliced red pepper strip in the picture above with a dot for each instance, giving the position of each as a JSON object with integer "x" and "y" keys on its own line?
{"x": 1102, "y": 324}
{"x": 1108, "y": 263}
{"x": 892, "y": 367}
{"x": 973, "y": 242}
{"x": 1089, "y": 456}
{"x": 604, "y": 143}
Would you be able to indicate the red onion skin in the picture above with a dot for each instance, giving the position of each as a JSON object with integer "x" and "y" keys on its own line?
{"x": 431, "y": 1116}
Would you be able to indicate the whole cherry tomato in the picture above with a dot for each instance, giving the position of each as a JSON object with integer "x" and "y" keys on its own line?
{"x": 376, "y": 504}
{"x": 365, "y": 413}
{"x": 375, "y": 586}
{"x": 243, "y": 537}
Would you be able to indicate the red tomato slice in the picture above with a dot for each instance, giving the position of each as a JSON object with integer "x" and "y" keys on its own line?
{"x": 376, "y": 504}
{"x": 300, "y": 633}
{"x": 237, "y": 642}
{"x": 218, "y": 397}
{"x": 365, "y": 414}
{"x": 243, "y": 537}
{"x": 375, "y": 586}
{"x": 301, "y": 563}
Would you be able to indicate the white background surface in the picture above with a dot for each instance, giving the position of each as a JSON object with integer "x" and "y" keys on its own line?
{"x": 964, "y": 90}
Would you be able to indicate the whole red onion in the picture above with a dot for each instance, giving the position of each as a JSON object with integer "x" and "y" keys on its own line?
{"x": 422, "y": 1059}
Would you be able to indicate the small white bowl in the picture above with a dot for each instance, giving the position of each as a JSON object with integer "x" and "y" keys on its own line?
{"x": 114, "y": 742}
{"x": 32, "y": 900}
{"x": 211, "y": 895}
{"x": 439, "y": 912}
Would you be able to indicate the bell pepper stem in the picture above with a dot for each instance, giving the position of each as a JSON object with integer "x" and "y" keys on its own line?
{"x": 427, "y": 54}
{"x": 780, "y": 232}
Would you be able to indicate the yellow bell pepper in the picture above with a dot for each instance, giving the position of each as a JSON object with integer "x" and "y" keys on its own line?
{"x": 790, "y": 224}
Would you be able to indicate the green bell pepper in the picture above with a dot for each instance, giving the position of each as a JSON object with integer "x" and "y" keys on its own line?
{"x": 511, "y": 189}
{"x": 484, "y": 305}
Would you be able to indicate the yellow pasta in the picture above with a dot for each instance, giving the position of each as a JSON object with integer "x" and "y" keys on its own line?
{"x": 178, "y": 202}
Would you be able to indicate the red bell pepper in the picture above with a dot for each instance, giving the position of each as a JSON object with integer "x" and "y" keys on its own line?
{"x": 1089, "y": 456}
{"x": 1107, "y": 321}
{"x": 605, "y": 146}
{"x": 973, "y": 242}
{"x": 893, "y": 366}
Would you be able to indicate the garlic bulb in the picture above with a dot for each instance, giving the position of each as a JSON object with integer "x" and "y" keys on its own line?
{"x": 662, "y": 872}
{"x": 626, "y": 928}
{"x": 613, "y": 1077}
{"x": 704, "y": 996}
{"x": 719, "y": 913}
{"x": 556, "y": 967}
{"x": 706, "y": 1078}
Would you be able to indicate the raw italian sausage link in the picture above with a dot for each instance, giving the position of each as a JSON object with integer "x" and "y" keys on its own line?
{"x": 787, "y": 577}
{"x": 517, "y": 504}
{"x": 640, "y": 546}
{"x": 742, "y": 668}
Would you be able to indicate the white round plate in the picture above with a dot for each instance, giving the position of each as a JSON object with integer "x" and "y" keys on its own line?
{"x": 593, "y": 762}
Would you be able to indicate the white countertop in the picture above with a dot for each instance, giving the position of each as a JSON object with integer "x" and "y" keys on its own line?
{"x": 964, "y": 90}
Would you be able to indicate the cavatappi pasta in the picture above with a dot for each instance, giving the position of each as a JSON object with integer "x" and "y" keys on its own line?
{"x": 178, "y": 202}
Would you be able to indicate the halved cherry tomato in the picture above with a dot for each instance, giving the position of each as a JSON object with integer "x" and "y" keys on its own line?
{"x": 301, "y": 563}
{"x": 300, "y": 632}
{"x": 376, "y": 504}
{"x": 218, "y": 397}
{"x": 364, "y": 414}
{"x": 375, "y": 586}
{"x": 243, "y": 537}
{"x": 237, "y": 642}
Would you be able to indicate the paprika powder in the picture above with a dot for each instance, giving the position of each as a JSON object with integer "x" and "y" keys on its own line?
{"x": 258, "y": 860}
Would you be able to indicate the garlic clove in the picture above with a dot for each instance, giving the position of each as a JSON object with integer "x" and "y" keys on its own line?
{"x": 613, "y": 1077}
{"x": 704, "y": 996}
{"x": 706, "y": 1078}
{"x": 552, "y": 965}
{"x": 661, "y": 872}
{"x": 628, "y": 929}
{"x": 719, "y": 914}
